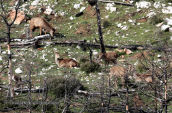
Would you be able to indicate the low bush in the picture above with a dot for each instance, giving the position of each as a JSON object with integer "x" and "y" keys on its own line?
{"x": 61, "y": 85}
{"x": 89, "y": 67}
{"x": 106, "y": 24}
{"x": 155, "y": 19}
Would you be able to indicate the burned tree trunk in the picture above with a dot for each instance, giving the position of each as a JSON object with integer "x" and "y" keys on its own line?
{"x": 11, "y": 90}
{"x": 102, "y": 47}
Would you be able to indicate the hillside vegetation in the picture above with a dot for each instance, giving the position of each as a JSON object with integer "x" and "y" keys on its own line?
{"x": 144, "y": 29}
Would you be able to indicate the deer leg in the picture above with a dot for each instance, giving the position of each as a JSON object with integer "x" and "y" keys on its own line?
{"x": 116, "y": 82}
{"x": 123, "y": 82}
{"x": 31, "y": 31}
{"x": 108, "y": 84}
{"x": 40, "y": 30}
{"x": 114, "y": 61}
{"x": 45, "y": 32}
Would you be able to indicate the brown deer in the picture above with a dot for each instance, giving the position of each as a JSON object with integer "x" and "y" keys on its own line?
{"x": 146, "y": 78}
{"x": 65, "y": 62}
{"x": 41, "y": 23}
{"x": 109, "y": 56}
{"x": 118, "y": 71}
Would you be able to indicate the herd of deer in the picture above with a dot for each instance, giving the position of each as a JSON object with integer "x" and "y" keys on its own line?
{"x": 116, "y": 71}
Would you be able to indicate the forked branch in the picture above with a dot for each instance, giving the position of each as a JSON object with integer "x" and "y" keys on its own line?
{"x": 5, "y": 18}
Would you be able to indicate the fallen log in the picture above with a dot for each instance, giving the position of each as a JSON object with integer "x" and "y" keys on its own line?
{"x": 120, "y": 3}
{"x": 83, "y": 43}
{"x": 131, "y": 47}
{"x": 32, "y": 90}
{"x": 12, "y": 39}
{"x": 24, "y": 90}
{"x": 32, "y": 41}
{"x": 97, "y": 93}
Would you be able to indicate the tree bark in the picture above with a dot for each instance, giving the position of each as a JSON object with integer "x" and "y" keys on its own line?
{"x": 120, "y": 3}
{"x": 102, "y": 47}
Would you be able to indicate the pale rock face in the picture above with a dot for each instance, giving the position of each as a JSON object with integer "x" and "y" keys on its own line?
{"x": 170, "y": 30}
{"x": 18, "y": 70}
{"x": 95, "y": 52}
{"x": 157, "y": 5}
{"x": 151, "y": 14}
{"x": 49, "y": 11}
{"x": 77, "y": 6}
{"x": 143, "y": 4}
{"x": 35, "y": 2}
{"x": 112, "y": 9}
{"x": 82, "y": 8}
{"x": 109, "y": 6}
{"x": 125, "y": 28}
{"x": 165, "y": 27}
{"x": 19, "y": 18}
{"x": 171, "y": 38}
{"x": 71, "y": 18}
{"x": 167, "y": 10}
{"x": 169, "y": 21}
{"x": 119, "y": 25}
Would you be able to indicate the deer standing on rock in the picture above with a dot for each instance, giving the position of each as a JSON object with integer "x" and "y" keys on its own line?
{"x": 65, "y": 62}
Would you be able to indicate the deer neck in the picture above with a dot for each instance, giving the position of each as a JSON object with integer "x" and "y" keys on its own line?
{"x": 57, "y": 60}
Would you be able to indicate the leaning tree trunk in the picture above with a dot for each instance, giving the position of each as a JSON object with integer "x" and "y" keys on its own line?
{"x": 165, "y": 98}
{"x": 11, "y": 90}
{"x": 127, "y": 97}
{"x": 102, "y": 47}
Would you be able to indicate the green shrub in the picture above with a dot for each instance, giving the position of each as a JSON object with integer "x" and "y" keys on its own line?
{"x": 158, "y": 33}
{"x": 134, "y": 1}
{"x": 155, "y": 19}
{"x": 141, "y": 67}
{"x": 82, "y": 59}
{"x": 58, "y": 85}
{"x": 89, "y": 67}
{"x": 106, "y": 24}
{"x": 168, "y": 1}
{"x": 120, "y": 53}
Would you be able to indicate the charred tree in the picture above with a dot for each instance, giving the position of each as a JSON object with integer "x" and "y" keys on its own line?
{"x": 102, "y": 47}
{"x": 10, "y": 94}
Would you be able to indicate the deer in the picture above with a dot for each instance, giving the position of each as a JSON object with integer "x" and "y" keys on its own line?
{"x": 65, "y": 62}
{"x": 121, "y": 72}
{"x": 146, "y": 78}
{"x": 117, "y": 71}
{"x": 109, "y": 56}
{"x": 41, "y": 23}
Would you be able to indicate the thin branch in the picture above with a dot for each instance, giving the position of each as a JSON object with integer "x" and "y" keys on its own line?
{"x": 116, "y": 2}
{"x": 3, "y": 13}
{"x": 2, "y": 7}
{"x": 16, "y": 8}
